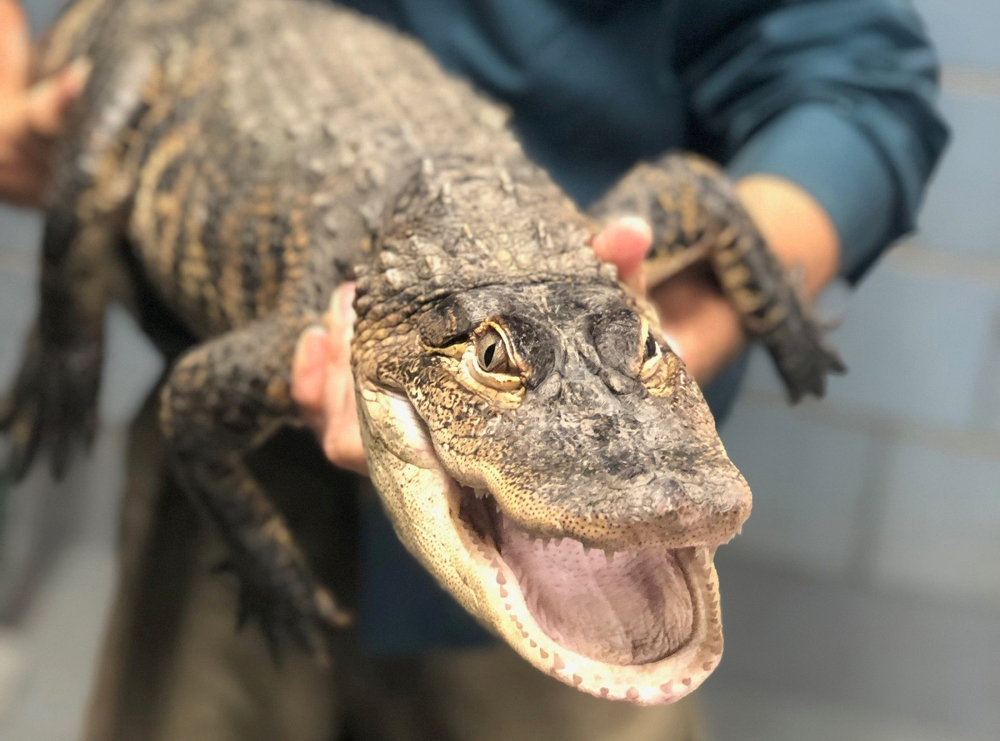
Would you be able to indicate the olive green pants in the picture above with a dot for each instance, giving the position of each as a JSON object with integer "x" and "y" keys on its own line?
{"x": 175, "y": 669}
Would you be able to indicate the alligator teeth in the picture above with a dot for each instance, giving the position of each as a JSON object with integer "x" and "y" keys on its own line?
{"x": 609, "y": 554}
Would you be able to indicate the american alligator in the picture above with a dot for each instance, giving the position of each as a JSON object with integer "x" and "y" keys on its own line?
{"x": 536, "y": 442}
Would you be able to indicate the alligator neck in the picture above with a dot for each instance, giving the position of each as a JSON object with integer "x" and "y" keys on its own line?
{"x": 462, "y": 221}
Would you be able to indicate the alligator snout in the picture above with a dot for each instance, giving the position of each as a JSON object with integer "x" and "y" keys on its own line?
{"x": 615, "y": 471}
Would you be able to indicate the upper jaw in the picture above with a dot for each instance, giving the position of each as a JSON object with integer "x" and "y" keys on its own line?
{"x": 695, "y": 515}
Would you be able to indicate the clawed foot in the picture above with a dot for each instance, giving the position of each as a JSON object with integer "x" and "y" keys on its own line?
{"x": 804, "y": 359}
{"x": 53, "y": 404}
{"x": 295, "y": 608}
{"x": 799, "y": 347}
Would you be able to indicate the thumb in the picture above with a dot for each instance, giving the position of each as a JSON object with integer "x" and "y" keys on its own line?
{"x": 309, "y": 370}
{"x": 624, "y": 243}
{"x": 15, "y": 47}
{"x": 340, "y": 322}
{"x": 50, "y": 100}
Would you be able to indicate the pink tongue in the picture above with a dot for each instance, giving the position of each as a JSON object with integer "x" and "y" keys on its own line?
{"x": 634, "y": 610}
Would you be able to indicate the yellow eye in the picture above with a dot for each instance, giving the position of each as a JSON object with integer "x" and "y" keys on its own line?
{"x": 491, "y": 353}
{"x": 651, "y": 354}
{"x": 489, "y": 360}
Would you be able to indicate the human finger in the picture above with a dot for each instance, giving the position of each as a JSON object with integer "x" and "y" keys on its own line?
{"x": 15, "y": 47}
{"x": 309, "y": 369}
{"x": 49, "y": 101}
{"x": 342, "y": 440}
{"x": 624, "y": 243}
{"x": 340, "y": 322}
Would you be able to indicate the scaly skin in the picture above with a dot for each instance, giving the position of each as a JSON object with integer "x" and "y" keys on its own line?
{"x": 518, "y": 406}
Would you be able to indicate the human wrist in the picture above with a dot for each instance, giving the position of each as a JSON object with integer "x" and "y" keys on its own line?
{"x": 705, "y": 328}
{"x": 795, "y": 227}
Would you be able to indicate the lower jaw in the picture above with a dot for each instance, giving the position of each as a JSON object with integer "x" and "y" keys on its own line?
{"x": 661, "y": 678}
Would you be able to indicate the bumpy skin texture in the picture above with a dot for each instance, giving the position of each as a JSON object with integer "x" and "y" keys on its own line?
{"x": 250, "y": 156}
{"x": 696, "y": 215}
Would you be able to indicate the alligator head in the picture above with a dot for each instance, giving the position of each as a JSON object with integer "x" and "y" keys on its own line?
{"x": 537, "y": 444}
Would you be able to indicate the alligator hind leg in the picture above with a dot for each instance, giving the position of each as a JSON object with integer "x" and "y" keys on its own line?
{"x": 221, "y": 400}
{"x": 696, "y": 215}
{"x": 53, "y": 404}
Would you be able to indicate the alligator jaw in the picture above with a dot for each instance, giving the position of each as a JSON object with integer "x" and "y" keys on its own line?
{"x": 618, "y": 607}
{"x": 426, "y": 505}
{"x": 515, "y": 613}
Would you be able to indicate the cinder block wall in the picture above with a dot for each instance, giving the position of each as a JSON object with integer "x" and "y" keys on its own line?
{"x": 869, "y": 571}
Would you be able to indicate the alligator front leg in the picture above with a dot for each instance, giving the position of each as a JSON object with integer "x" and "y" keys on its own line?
{"x": 222, "y": 399}
{"x": 53, "y": 403}
{"x": 696, "y": 215}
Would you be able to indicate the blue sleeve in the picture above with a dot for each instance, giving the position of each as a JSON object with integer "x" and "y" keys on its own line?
{"x": 837, "y": 96}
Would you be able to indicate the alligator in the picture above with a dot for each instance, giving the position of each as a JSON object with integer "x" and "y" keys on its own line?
{"x": 534, "y": 439}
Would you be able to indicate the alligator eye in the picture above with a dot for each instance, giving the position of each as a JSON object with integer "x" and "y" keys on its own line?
{"x": 651, "y": 349}
{"x": 490, "y": 363}
{"x": 651, "y": 354}
{"x": 491, "y": 353}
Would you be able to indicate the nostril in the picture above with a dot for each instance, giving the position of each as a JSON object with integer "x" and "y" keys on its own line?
{"x": 599, "y": 427}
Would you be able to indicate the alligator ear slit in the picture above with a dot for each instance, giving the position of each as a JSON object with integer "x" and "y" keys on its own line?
{"x": 445, "y": 324}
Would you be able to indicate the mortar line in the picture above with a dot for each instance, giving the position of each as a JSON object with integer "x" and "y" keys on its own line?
{"x": 967, "y": 442}
{"x": 872, "y": 507}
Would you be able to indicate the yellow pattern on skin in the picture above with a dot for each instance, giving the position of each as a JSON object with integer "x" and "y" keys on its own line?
{"x": 145, "y": 216}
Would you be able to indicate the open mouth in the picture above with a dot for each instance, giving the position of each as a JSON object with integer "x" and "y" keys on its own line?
{"x": 641, "y": 625}
{"x": 623, "y": 608}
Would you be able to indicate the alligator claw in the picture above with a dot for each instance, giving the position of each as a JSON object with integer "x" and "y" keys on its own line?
{"x": 52, "y": 405}
{"x": 297, "y": 610}
{"x": 803, "y": 359}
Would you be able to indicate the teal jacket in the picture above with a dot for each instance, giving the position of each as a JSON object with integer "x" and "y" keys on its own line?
{"x": 835, "y": 95}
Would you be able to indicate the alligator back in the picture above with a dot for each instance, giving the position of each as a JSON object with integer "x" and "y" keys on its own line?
{"x": 257, "y": 140}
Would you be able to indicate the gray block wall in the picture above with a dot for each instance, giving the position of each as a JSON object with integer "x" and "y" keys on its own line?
{"x": 869, "y": 571}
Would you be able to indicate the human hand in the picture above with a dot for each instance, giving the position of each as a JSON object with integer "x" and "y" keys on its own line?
{"x": 30, "y": 117}
{"x": 323, "y": 383}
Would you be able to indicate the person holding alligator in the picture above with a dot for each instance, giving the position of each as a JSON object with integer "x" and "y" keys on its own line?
{"x": 822, "y": 112}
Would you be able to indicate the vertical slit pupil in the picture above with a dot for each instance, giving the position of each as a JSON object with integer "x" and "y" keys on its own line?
{"x": 488, "y": 354}
{"x": 650, "y": 347}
